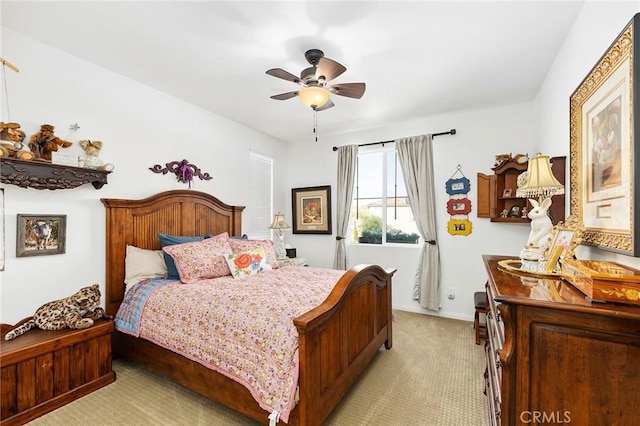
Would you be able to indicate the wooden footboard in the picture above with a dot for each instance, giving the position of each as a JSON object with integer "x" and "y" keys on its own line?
{"x": 339, "y": 338}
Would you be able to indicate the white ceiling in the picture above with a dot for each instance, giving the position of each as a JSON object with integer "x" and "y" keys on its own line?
{"x": 418, "y": 58}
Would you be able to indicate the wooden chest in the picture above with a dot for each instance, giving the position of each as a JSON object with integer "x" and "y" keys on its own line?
{"x": 44, "y": 370}
{"x": 603, "y": 281}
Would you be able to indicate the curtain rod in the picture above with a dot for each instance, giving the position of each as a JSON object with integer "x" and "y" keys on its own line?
{"x": 450, "y": 132}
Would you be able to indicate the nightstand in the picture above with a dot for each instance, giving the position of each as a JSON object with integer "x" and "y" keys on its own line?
{"x": 293, "y": 261}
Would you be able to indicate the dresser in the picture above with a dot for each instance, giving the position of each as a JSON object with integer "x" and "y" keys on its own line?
{"x": 553, "y": 357}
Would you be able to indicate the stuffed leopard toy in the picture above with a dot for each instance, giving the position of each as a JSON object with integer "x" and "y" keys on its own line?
{"x": 76, "y": 311}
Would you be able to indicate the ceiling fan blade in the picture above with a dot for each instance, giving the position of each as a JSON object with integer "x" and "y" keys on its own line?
{"x": 350, "y": 90}
{"x": 285, "y": 96}
{"x": 285, "y": 75}
{"x": 327, "y": 105}
{"x": 329, "y": 69}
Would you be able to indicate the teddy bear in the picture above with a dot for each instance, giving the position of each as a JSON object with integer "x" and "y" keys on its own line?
{"x": 92, "y": 151}
{"x": 45, "y": 142}
{"x": 11, "y": 138}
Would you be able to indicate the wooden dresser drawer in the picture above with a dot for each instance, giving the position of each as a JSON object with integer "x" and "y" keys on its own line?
{"x": 494, "y": 345}
{"x": 44, "y": 370}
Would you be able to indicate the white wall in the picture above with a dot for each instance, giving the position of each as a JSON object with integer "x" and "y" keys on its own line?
{"x": 480, "y": 136}
{"x": 140, "y": 127}
{"x": 595, "y": 29}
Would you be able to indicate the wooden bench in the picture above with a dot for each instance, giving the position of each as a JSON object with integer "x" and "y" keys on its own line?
{"x": 44, "y": 370}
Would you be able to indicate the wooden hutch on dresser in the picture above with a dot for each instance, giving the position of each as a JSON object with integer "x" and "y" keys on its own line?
{"x": 553, "y": 357}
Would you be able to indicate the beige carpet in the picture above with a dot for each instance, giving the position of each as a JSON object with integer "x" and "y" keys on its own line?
{"x": 432, "y": 376}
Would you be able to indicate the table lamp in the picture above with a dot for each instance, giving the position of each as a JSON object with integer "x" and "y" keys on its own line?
{"x": 541, "y": 184}
{"x": 279, "y": 225}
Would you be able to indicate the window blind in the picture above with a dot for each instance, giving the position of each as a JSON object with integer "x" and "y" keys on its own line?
{"x": 258, "y": 214}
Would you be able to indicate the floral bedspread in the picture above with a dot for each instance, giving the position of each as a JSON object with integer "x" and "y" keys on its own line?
{"x": 242, "y": 328}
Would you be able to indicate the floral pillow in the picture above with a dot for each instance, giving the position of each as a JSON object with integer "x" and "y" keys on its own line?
{"x": 238, "y": 246}
{"x": 169, "y": 240}
{"x": 201, "y": 259}
{"x": 244, "y": 264}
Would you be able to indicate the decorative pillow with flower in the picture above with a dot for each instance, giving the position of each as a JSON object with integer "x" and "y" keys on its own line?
{"x": 241, "y": 245}
{"x": 201, "y": 259}
{"x": 244, "y": 264}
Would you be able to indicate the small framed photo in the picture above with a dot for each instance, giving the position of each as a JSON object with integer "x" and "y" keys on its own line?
{"x": 459, "y": 227}
{"x": 311, "y": 210}
{"x": 40, "y": 235}
{"x": 506, "y": 193}
{"x": 458, "y": 206}
{"x": 458, "y": 186}
{"x": 564, "y": 239}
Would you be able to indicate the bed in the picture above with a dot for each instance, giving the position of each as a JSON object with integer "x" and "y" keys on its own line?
{"x": 336, "y": 340}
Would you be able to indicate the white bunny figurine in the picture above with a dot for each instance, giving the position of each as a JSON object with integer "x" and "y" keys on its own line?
{"x": 541, "y": 225}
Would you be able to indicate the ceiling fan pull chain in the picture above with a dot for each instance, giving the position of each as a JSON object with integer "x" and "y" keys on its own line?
{"x": 315, "y": 123}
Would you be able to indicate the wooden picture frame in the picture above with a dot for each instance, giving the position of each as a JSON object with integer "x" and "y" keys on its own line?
{"x": 506, "y": 193}
{"x": 603, "y": 131}
{"x": 40, "y": 235}
{"x": 459, "y": 227}
{"x": 458, "y": 186}
{"x": 311, "y": 210}
{"x": 2, "y": 244}
{"x": 459, "y": 206}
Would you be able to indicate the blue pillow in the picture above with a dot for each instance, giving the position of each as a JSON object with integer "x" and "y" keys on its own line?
{"x": 170, "y": 240}
{"x": 240, "y": 237}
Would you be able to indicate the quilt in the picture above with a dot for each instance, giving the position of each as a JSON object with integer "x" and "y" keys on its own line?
{"x": 242, "y": 328}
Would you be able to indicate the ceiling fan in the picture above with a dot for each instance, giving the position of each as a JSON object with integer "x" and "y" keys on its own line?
{"x": 316, "y": 92}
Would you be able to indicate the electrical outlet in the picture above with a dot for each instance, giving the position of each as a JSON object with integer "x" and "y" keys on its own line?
{"x": 451, "y": 295}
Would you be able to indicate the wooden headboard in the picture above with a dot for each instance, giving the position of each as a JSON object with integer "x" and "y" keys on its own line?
{"x": 137, "y": 223}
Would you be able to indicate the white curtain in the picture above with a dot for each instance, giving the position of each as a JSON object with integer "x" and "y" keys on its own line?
{"x": 416, "y": 159}
{"x": 347, "y": 156}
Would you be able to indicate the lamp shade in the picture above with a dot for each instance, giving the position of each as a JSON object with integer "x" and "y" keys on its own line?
{"x": 540, "y": 179}
{"x": 279, "y": 222}
{"x": 314, "y": 96}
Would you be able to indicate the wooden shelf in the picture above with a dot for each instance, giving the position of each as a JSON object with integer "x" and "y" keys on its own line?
{"x": 491, "y": 202}
{"x": 511, "y": 219}
{"x": 43, "y": 175}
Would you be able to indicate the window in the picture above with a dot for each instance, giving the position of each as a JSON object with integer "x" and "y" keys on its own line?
{"x": 380, "y": 211}
{"x": 258, "y": 214}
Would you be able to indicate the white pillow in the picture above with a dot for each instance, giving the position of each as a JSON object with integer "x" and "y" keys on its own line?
{"x": 140, "y": 264}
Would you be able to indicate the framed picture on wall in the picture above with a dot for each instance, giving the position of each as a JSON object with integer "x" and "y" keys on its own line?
{"x": 311, "y": 210}
{"x": 1, "y": 229}
{"x": 40, "y": 235}
{"x": 603, "y": 135}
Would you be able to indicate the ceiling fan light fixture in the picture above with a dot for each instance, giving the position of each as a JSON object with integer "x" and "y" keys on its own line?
{"x": 314, "y": 96}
